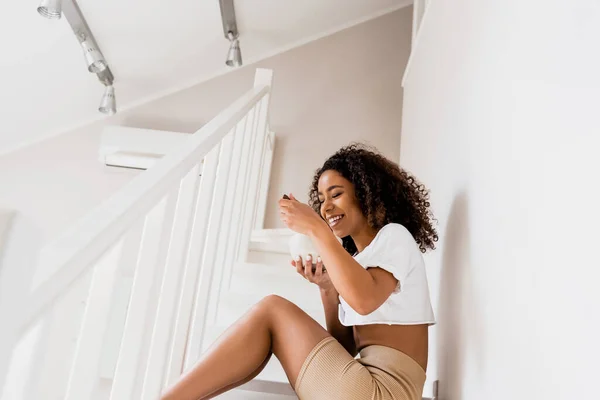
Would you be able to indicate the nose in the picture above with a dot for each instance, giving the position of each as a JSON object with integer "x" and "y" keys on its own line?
{"x": 326, "y": 207}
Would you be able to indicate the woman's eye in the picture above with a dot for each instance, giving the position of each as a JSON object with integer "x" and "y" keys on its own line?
{"x": 336, "y": 195}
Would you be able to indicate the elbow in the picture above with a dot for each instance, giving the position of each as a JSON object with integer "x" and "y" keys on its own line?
{"x": 364, "y": 311}
{"x": 365, "y": 308}
{"x": 365, "y": 304}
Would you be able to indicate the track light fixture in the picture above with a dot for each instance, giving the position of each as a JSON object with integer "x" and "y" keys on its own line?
{"x": 93, "y": 57}
{"x": 96, "y": 63}
{"x": 108, "y": 104}
{"x": 51, "y": 9}
{"x": 234, "y": 55}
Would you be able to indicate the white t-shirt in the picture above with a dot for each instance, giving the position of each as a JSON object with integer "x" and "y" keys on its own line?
{"x": 394, "y": 249}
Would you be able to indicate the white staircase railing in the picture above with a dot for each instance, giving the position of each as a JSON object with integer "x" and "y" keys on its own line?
{"x": 157, "y": 243}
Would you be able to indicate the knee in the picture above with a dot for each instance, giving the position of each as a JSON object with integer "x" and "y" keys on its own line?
{"x": 273, "y": 301}
{"x": 266, "y": 307}
{"x": 272, "y": 304}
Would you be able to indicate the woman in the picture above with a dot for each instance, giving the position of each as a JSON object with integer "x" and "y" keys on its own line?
{"x": 374, "y": 292}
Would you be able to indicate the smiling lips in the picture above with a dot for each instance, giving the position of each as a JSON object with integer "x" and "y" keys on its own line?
{"x": 333, "y": 221}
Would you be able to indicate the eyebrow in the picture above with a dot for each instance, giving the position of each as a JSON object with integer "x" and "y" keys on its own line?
{"x": 330, "y": 188}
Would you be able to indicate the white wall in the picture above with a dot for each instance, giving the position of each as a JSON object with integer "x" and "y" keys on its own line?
{"x": 338, "y": 89}
{"x": 55, "y": 182}
{"x": 501, "y": 122}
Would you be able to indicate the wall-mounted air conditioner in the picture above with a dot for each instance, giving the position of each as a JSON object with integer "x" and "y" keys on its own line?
{"x": 137, "y": 148}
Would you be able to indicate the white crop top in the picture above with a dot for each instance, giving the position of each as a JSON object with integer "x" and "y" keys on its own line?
{"x": 394, "y": 249}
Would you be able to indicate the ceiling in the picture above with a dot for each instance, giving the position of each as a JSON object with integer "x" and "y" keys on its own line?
{"x": 153, "y": 50}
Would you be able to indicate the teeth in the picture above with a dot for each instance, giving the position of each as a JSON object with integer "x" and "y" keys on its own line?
{"x": 332, "y": 220}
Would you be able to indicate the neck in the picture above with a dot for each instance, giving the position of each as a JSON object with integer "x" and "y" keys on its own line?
{"x": 364, "y": 237}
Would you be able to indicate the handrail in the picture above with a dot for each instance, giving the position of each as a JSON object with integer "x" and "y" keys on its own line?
{"x": 72, "y": 254}
{"x": 129, "y": 285}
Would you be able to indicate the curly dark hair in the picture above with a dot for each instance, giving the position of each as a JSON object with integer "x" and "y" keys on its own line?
{"x": 386, "y": 193}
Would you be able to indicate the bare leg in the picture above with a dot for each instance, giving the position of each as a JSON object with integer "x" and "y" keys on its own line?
{"x": 245, "y": 380}
{"x": 274, "y": 325}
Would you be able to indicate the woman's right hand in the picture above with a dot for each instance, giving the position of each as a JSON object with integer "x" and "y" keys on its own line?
{"x": 319, "y": 277}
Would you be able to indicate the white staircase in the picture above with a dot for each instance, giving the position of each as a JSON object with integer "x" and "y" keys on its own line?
{"x": 129, "y": 296}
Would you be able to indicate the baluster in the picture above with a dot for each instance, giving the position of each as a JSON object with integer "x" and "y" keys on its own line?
{"x": 265, "y": 177}
{"x": 262, "y": 76}
{"x": 171, "y": 282}
{"x": 58, "y": 339}
{"x": 193, "y": 257}
{"x": 61, "y": 328}
{"x": 196, "y": 333}
{"x": 246, "y": 194}
{"x": 120, "y": 299}
{"x": 240, "y": 196}
{"x": 227, "y": 220}
{"x": 19, "y": 245}
{"x": 84, "y": 371}
{"x": 150, "y": 262}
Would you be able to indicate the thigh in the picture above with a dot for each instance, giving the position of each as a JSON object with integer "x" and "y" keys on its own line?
{"x": 294, "y": 333}
{"x": 331, "y": 373}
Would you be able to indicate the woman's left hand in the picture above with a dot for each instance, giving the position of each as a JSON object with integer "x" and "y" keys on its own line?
{"x": 299, "y": 217}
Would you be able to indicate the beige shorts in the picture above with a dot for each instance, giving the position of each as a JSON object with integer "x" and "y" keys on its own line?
{"x": 381, "y": 373}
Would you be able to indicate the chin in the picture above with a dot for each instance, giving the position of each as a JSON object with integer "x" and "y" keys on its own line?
{"x": 339, "y": 234}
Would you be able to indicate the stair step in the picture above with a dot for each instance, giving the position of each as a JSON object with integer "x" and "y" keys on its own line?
{"x": 242, "y": 394}
{"x": 278, "y": 247}
{"x": 264, "y": 274}
{"x": 262, "y": 256}
{"x": 273, "y": 240}
{"x": 276, "y": 388}
{"x": 282, "y": 270}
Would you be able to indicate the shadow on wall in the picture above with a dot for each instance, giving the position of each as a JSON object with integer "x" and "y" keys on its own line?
{"x": 459, "y": 329}
{"x": 277, "y": 181}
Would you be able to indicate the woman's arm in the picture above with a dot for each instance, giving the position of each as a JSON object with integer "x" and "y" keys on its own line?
{"x": 365, "y": 290}
{"x": 343, "y": 334}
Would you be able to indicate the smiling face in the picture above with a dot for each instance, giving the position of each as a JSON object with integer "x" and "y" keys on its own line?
{"x": 339, "y": 205}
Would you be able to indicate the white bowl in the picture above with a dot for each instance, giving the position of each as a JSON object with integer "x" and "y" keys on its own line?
{"x": 301, "y": 245}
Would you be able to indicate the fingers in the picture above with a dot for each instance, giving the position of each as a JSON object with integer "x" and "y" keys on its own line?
{"x": 305, "y": 268}
{"x": 283, "y": 217}
{"x": 319, "y": 270}
{"x": 299, "y": 266}
{"x": 285, "y": 204}
{"x": 308, "y": 272}
{"x": 284, "y": 211}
